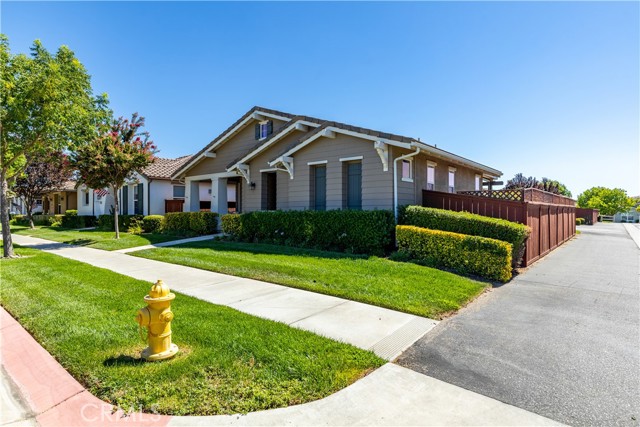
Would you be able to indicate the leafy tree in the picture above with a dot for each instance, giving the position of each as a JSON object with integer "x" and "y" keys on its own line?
{"x": 46, "y": 104}
{"x": 41, "y": 176}
{"x": 549, "y": 185}
{"x": 609, "y": 201}
{"x": 120, "y": 150}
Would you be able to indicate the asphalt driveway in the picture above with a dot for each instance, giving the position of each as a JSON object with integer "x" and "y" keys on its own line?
{"x": 561, "y": 340}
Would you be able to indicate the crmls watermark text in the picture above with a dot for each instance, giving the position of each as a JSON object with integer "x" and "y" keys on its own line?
{"x": 103, "y": 412}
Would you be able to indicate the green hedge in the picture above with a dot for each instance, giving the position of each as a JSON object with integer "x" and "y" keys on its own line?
{"x": 580, "y": 221}
{"x": 198, "y": 223}
{"x": 106, "y": 222}
{"x": 152, "y": 223}
{"x": 19, "y": 220}
{"x": 362, "y": 232}
{"x": 230, "y": 224}
{"x": 468, "y": 223}
{"x": 70, "y": 219}
{"x": 481, "y": 256}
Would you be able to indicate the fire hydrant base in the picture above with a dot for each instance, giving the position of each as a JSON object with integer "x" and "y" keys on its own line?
{"x": 173, "y": 349}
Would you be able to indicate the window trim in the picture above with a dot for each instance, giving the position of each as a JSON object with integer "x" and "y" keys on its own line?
{"x": 450, "y": 188}
{"x": 318, "y": 162}
{"x": 410, "y": 178}
{"x": 431, "y": 165}
{"x": 351, "y": 159}
{"x": 477, "y": 183}
{"x": 264, "y": 125}
{"x": 173, "y": 191}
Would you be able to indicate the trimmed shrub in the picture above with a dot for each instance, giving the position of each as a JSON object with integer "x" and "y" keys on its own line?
{"x": 19, "y": 220}
{"x": 71, "y": 219}
{"x": 351, "y": 231}
{"x": 152, "y": 223}
{"x": 231, "y": 225}
{"x": 580, "y": 221}
{"x": 106, "y": 222}
{"x": 55, "y": 220}
{"x": 481, "y": 256}
{"x": 198, "y": 223}
{"x": 468, "y": 223}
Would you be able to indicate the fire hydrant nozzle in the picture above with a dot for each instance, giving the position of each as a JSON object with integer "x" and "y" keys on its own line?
{"x": 157, "y": 317}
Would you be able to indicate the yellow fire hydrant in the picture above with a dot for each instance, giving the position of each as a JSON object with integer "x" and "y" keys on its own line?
{"x": 156, "y": 317}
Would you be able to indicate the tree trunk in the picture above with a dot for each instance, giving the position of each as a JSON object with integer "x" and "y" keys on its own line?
{"x": 29, "y": 206}
{"x": 7, "y": 243}
{"x": 115, "y": 212}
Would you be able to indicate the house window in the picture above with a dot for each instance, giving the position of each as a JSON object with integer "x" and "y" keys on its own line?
{"x": 353, "y": 184}
{"x": 452, "y": 180}
{"x": 407, "y": 170}
{"x": 431, "y": 176}
{"x": 319, "y": 187}
{"x": 138, "y": 199}
{"x": 178, "y": 191}
{"x": 478, "y": 181}
{"x": 86, "y": 197}
{"x": 264, "y": 129}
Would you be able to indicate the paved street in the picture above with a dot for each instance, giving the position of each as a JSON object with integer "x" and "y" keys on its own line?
{"x": 560, "y": 340}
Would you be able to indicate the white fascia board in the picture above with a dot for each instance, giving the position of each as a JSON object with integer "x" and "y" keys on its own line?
{"x": 494, "y": 173}
{"x": 279, "y": 136}
{"x": 225, "y": 137}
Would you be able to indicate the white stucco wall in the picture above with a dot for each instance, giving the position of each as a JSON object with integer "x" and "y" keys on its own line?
{"x": 159, "y": 191}
{"x": 97, "y": 205}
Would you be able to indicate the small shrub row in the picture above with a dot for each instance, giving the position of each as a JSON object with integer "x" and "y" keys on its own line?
{"x": 71, "y": 219}
{"x": 580, "y": 221}
{"x": 197, "y": 223}
{"x": 481, "y": 256}
{"x": 19, "y": 220}
{"x": 468, "y": 223}
{"x": 152, "y": 223}
{"x": 362, "y": 232}
{"x": 106, "y": 222}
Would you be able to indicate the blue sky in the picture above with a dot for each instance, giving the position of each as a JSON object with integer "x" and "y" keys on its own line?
{"x": 544, "y": 88}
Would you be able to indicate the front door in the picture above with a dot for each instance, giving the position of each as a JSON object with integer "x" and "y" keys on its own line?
{"x": 269, "y": 189}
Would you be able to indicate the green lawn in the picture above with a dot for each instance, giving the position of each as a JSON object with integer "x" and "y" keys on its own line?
{"x": 97, "y": 239}
{"x": 397, "y": 285}
{"x": 229, "y": 361}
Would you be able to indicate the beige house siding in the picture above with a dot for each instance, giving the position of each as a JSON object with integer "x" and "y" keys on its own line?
{"x": 252, "y": 199}
{"x": 233, "y": 148}
{"x": 377, "y": 191}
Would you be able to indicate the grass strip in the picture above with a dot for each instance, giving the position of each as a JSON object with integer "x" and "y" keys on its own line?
{"x": 96, "y": 239}
{"x": 229, "y": 362}
{"x": 399, "y": 286}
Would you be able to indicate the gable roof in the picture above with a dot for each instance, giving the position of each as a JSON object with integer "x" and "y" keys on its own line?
{"x": 163, "y": 168}
{"x": 230, "y": 131}
{"x": 322, "y": 128}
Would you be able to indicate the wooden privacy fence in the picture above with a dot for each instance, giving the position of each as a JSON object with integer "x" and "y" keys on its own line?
{"x": 590, "y": 215}
{"x": 175, "y": 205}
{"x": 552, "y": 218}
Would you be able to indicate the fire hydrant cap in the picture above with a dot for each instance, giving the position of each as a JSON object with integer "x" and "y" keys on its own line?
{"x": 159, "y": 292}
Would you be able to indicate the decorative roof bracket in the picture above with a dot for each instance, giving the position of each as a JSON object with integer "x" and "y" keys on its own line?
{"x": 244, "y": 171}
{"x": 287, "y": 164}
{"x": 383, "y": 151}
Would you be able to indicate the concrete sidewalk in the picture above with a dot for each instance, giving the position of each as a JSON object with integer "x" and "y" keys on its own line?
{"x": 169, "y": 243}
{"x": 391, "y": 395}
{"x": 386, "y": 332}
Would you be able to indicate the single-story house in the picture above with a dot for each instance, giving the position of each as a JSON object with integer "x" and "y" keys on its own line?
{"x": 61, "y": 199}
{"x": 94, "y": 202}
{"x": 270, "y": 160}
{"x": 153, "y": 192}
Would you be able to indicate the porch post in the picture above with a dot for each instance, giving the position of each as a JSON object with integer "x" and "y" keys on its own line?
{"x": 219, "y": 196}
{"x": 192, "y": 196}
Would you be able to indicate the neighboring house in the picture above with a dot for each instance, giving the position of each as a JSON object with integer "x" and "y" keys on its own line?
{"x": 61, "y": 199}
{"x": 153, "y": 192}
{"x": 94, "y": 202}
{"x": 271, "y": 160}
{"x": 630, "y": 216}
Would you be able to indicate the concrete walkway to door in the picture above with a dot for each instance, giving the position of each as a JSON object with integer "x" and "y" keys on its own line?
{"x": 560, "y": 340}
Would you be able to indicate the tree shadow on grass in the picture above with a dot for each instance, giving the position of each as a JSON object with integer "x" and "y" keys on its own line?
{"x": 123, "y": 360}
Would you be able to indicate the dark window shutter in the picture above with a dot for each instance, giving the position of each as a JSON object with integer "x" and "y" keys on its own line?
{"x": 257, "y": 130}
{"x": 269, "y": 127}
{"x": 320, "y": 188}
{"x": 125, "y": 200}
{"x": 354, "y": 186}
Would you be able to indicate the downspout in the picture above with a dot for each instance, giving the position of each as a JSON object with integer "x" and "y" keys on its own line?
{"x": 93, "y": 201}
{"x": 395, "y": 180}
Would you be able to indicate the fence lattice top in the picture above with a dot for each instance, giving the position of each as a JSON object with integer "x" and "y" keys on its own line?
{"x": 516, "y": 195}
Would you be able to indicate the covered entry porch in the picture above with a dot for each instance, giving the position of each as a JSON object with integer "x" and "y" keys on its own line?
{"x": 218, "y": 192}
